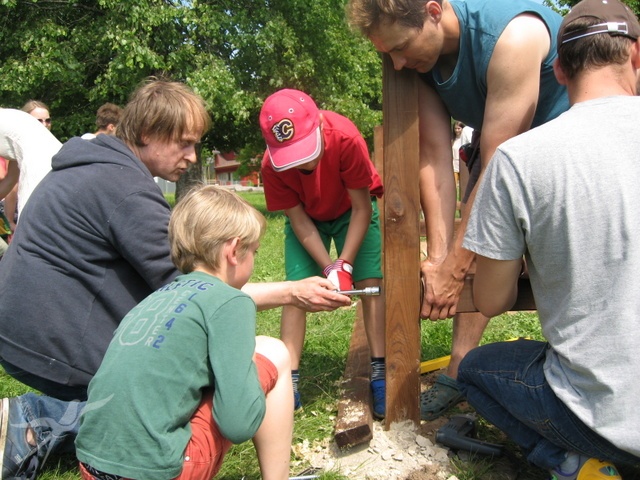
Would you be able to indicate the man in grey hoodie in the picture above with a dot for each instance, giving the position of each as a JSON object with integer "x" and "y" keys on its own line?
{"x": 92, "y": 244}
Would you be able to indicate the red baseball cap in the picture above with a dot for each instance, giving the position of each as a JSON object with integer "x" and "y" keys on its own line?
{"x": 290, "y": 124}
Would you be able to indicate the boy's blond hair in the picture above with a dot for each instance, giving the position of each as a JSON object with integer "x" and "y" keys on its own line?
{"x": 206, "y": 218}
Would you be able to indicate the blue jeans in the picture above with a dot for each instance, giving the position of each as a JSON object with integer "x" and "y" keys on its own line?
{"x": 55, "y": 422}
{"x": 505, "y": 383}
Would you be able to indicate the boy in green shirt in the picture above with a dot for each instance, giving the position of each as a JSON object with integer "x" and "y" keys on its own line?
{"x": 185, "y": 376}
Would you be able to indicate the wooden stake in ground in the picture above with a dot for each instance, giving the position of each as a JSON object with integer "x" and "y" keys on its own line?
{"x": 401, "y": 242}
{"x": 354, "y": 424}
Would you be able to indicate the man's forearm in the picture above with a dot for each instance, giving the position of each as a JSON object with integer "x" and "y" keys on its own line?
{"x": 462, "y": 257}
{"x": 495, "y": 287}
{"x": 437, "y": 198}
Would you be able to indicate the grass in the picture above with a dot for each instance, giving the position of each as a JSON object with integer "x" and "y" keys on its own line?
{"x": 323, "y": 362}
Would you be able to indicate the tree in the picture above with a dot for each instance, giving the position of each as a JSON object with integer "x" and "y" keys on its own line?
{"x": 76, "y": 55}
{"x": 563, "y": 6}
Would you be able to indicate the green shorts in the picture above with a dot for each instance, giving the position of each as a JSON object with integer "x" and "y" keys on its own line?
{"x": 368, "y": 263}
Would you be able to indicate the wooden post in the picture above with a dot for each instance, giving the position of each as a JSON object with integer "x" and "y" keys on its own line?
{"x": 378, "y": 162}
{"x": 401, "y": 243}
{"x": 354, "y": 424}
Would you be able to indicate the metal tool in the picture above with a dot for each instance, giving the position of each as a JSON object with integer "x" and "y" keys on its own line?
{"x": 460, "y": 433}
{"x": 309, "y": 474}
{"x": 368, "y": 291}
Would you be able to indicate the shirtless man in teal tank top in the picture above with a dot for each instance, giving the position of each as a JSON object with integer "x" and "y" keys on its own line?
{"x": 488, "y": 64}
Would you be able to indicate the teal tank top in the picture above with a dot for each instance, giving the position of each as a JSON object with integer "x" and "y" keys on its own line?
{"x": 481, "y": 23}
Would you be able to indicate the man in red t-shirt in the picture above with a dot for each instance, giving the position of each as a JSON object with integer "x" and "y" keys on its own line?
{"x": 317, "y": 169}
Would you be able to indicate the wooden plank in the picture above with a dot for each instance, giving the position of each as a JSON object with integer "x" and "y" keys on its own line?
{"x": 378, "y": 162}
{"x": 401, "y": 243}
{"x": 354, "y": 424}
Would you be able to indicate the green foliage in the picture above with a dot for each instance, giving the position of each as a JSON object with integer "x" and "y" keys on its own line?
{"x": 77, "y": 55}
{"x": 563, "y": 6}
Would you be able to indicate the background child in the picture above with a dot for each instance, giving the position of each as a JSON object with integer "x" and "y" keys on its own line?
{"x": 184, "y": 375}
{"x": 317, "y": 169}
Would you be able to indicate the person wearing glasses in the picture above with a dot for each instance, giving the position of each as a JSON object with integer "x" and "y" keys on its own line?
{"x": 39, "y": 110}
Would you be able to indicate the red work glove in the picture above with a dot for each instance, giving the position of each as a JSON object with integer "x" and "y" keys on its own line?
{"x": 340, "y": 273}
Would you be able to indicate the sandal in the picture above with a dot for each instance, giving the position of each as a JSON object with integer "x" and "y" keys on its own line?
{"x": 443, "y": 395}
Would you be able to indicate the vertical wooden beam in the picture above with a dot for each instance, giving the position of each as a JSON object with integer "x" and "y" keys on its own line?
{"x": 401, "y": 242}
{"x": 378, "y": 162}
{"x": 354, "y": 424}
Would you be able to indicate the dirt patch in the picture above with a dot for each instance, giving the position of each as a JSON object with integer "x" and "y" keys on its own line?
{"x": 404, "y": 452}
{"x": 399, "y": 453}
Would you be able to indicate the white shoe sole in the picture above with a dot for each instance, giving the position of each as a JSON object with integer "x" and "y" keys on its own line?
{"x": 4, "y": 428}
